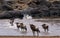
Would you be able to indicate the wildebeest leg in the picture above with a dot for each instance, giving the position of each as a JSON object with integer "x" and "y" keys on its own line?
{"x": 33, "y": 33}
{"x": 21, "y": 29}
{"x": 25, "y": 28}
{"x": 11, "y": 24}
{"x": 45, "y": 30}
{"x": 37, "y": 33}
{"x": 17, "y": 27}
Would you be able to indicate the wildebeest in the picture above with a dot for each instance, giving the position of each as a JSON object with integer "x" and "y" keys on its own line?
{"x": 20, "y": 25}
{"x": 34, "y": 29}
{"x": 45, "y": 27}
{"x": 11, "y": 21}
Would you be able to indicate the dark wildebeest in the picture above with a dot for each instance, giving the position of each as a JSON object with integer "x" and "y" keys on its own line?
{"x": 45, "y": 27}
{"x": 20, "y": 25}
{"x": 34, "y": 29}
{"x": 11, "y": 21}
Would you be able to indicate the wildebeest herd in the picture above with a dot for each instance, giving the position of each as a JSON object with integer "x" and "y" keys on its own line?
{"x": 32, "y": 27}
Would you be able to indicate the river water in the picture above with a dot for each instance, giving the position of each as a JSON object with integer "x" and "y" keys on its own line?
{"x": 7, "y": 30}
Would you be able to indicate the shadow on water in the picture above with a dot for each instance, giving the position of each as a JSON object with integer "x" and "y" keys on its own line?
{"x": 45, "y": 33}
{"x": 21, "y": 31}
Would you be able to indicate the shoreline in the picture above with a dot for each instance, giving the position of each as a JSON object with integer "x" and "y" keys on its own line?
{"x": 30, "y": 37}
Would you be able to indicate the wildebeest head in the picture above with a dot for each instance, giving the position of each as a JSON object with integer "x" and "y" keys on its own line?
{"x": 21, "y": 23}
{"x": 43, "y": 25}
{"x": 32, "y": 26}
{"x": 17, "y": 23}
